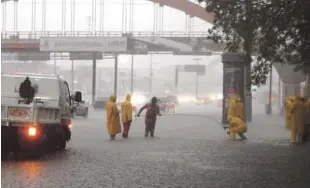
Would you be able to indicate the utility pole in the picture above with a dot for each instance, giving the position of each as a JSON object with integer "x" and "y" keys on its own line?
{"x": 176, "y": 79}
{"x": 196, "y": 80}
{"x": 115, "y": 74}
{"x": 279, "y": 93}
{"x": 151, "y": 75}
{"x": 72, "y": 75}
{"x": 55, "y": 65}
{"x": 269, "y": 106}
{"x": 131, "y": 76}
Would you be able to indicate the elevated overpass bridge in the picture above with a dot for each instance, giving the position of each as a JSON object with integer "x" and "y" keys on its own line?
{"x": 142, "y": 42}
{"x": 173, "y": 40}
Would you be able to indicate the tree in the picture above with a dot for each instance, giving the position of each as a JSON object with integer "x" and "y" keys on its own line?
{"x": 237, "y": 25}
{"x": 273, "y": 30}
{"x": 283, "y": 35}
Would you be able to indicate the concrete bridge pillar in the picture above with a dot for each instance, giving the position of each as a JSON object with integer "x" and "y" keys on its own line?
{"x": 291, "y": 81}
{"x": 290, "y": 78}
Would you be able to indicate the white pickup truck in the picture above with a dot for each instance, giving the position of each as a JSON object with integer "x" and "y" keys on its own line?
{"x": 45, "y": 122}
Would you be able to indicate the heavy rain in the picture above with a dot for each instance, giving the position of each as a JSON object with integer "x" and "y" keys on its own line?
{"x": 138, "y": 93}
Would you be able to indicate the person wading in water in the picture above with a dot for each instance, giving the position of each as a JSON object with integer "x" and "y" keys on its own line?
{"x": 152, "y": 110}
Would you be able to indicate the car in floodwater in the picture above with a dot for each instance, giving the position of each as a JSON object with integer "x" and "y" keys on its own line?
{"x": 81, "y": 109}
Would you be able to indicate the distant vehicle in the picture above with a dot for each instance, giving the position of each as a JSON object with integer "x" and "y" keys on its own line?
{"x": 100, "y": 103}
{"x": 138, "y": 99}
{"x": 186, "y": 99}
{"x": 81, "y": 109}
{"x": 162, "y": 103}
{"x": 204, "y": 100}
{"x": 35, "y": 122}
{"x": 172, "y": 99}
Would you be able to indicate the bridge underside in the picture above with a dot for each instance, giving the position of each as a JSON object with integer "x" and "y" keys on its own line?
{"x": 188, "y": 8}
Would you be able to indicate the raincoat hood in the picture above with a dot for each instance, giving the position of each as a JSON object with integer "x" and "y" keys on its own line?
{"x": 290, "y": 98}
{"x": 128, "y": 98}
{"x": 154, "y": 100}
{"x": 112, "y": 98}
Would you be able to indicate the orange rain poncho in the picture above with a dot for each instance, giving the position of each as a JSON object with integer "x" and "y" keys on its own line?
{"x": 113, "y": 119}
{"x": 298, "y": 123}
{"x": 289, "y": 101}
{"x": 126, "y": 110}
{"x": 235, "y": 117}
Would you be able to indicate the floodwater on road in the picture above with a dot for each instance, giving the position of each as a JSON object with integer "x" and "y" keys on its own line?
{"x": 187, "y": 151}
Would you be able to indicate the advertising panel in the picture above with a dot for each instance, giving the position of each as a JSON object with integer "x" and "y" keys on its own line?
{"x": 83, "y": 44}
{"x": 233, "y": 83}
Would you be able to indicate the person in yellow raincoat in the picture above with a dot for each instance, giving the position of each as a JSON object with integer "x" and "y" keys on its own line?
{"x": 235, "y": 118}
{"x": 231, "y": 111}
{"x": 237, "y": 126}
{"x": 126, "y": 115}
{"x": 307, "y": 121}
{"x": 113, "y": 119}
{"x": 288, "y": 109}
{"x": 240, "y": 114}
{"x": 297, "y": 126}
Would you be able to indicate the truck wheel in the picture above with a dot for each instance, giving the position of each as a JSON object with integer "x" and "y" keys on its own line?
{"x": 62, "y": 144}
{"x": 4, "y": 152}
{"x": 86, "y": 114}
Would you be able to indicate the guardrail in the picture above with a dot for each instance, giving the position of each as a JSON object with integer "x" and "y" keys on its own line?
{"x": 15, "y": 35}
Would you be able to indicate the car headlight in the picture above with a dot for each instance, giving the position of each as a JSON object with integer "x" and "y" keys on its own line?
{"x": 137, "y": 100}
{"x": 219, "y": 97}
{"x": 212, "y": 97}
{"x": 185, "y": 99}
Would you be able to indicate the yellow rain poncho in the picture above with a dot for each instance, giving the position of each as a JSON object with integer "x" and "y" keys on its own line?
{"x": 113, "y": 119}
{"x": 288, "y": 111}
{"x": 236, "y": 125}
{"x": 231, "y": 112}
{"x": 235, "y": 117}
{"x": 239, "y": 110}
{"x": 126, "y": 110}
{"x": 298, "y": 123}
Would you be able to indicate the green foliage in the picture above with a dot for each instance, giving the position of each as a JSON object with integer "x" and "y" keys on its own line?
{"x": 272, "y": 30}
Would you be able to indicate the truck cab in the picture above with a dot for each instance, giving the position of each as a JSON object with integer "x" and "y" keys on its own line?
{"x": 45, "y": 122}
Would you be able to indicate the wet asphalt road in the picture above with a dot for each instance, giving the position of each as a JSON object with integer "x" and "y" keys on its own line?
{"x": 188, "y": 151}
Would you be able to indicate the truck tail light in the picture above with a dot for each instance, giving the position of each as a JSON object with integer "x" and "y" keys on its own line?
{"x": 32, "y": 131}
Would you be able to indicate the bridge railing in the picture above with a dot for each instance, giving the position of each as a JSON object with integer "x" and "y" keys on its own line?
{"x": 37, "y": 34}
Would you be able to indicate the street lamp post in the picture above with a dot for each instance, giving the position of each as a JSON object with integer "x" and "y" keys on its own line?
{"x": 269, "y": 107}
{"x": 131, "y": 75}
{"x": 196, "y": 80}
{"x": 151, "y": 75}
